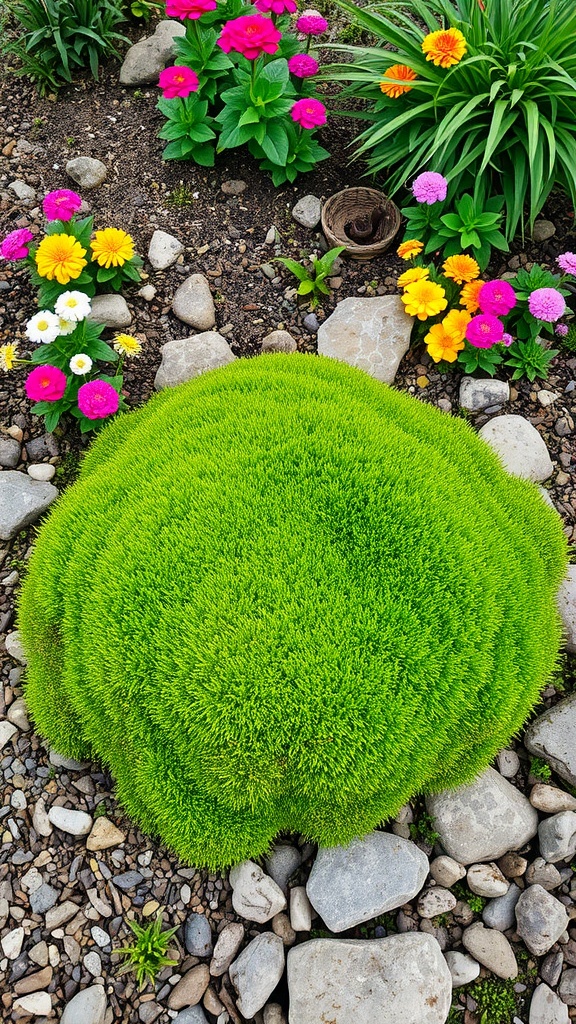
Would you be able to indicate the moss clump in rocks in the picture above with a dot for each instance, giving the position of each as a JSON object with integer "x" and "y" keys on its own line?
{"x": 286, "y": 597}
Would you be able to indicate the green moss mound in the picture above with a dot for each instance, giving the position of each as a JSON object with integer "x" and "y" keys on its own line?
{"x": 284, "y": 597}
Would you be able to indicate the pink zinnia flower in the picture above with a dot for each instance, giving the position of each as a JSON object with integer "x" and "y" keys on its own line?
{"x": 567, "y": 262}
{"x": 189, "y": 8}
{"x": 302, "y": 65}
{"x": 309, "y": 113}
{"x": 251, "y": 35}
{"x": 497, "y": 297}
{"x": 61, "y": 204}
{"x": 430, "y": 187}
{"x": 177, "y": 81}
{"x": 14, "y": 245}
{"x": 507, "y": 339}
{"x": 546, "y": 304}
{"x": 276, "y": 6}
{"x": 45, "y": 384}
{"x": 312, "y": 24}
{"x": 484, "y": 331}
{"x": 98, "y": 399}
{"x": 561, "y": 330}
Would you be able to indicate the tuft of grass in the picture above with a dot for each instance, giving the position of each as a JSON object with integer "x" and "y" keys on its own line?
{"x": 181, "y": 195}
{"x": 295, "y": 619}
{"x": 496, "y": 999}
{"x": 147, "y": 956}
{"x": 540, "y": 769}
{"x": 423, "y": 829}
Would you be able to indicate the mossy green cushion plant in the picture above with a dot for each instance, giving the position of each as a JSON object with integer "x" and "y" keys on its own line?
{"x": 286, "y": 597}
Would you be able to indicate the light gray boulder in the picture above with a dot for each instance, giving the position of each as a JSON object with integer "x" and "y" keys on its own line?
{"x": 372, "y": 334}
{"x": 164, "y": 250}
{"x": 22, "y": 501}
{"x": 477, "y": 394}
{"x": 255, "y": 895}
{"x": 110, "y": 310}
{"x": 492, "y": 949}
{"x": 307, "y": 212}
{"x": 540, "y": 919}
{"x": 567, "y": 608}
{"x": 547, "y": 1008}
{"x": 463, "y": 968}
{"x": 86, "y": 171}
{"x": 187, "y": 358}
{"x": 557, "y": 837}
{"x": 520, "y": 447}
{"x": 499, "y": 913}
{"x": 193, "y": 303}
{"x": 487, "y": 880}
{"x": 146, "y": 59}
{"x": 552, "y": 736}
{"x": 87, "y": 1007}
{"x": 257, "y": 971}
{"x": 76, "y": 823}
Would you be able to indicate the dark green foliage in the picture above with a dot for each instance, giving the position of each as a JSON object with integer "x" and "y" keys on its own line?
{"x": 284, "y": 597}
{"x": 497, "y": 1000}
{"x": 148, "y": 954}
{"x": 530, "y": 359}
{"x": 540, "y": 769}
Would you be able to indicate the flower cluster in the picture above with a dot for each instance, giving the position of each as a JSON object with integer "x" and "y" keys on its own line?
{"x": 444, "y": 48}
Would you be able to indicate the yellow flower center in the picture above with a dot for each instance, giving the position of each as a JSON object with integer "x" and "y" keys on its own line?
{"x": 42, "y": 325}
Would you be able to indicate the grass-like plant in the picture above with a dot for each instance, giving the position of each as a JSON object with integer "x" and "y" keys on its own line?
{"x": 326, "y": 597}
{"x": 147, "y": 956}
{"x": 504, "y": 111}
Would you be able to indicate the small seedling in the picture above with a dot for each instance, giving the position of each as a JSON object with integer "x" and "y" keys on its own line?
{"x": 313, "y": 282}
{"x": 423, "y": 829}
{"x": 148, "y": 954}
{"x": 540, "y": 769}
{"x": 182, "y": 195}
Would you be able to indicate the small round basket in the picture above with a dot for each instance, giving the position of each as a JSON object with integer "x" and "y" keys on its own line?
{"x": 365, "y": 212}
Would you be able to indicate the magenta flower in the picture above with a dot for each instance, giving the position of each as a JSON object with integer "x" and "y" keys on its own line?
{"x": 497, "y": 298}
{"x": 430, "y": 187}
{"x": 251, "y": 35}
{"x": 98, "y": 399}
{"x": 507, "y": 339}
{"x": 546, "y": 304}
{"x": 14, "y": 245}
{"x": 567, "y": 262}
{"x": 484, "y": 331}
{"x": 178, "y": 80}
{"x": 276, "y": 6}
{"x": 61, "y": 204}
{"x": 302, "y": 65}
{"x": 45, "y": 384}
{"x": 189, "y": 8}
{"x": 312, "y": 25}
{"x": 309, "y": 113}
{"x": 561, "y": 330}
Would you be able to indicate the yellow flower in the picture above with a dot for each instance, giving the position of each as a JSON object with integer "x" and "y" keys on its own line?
{"x": 409, "y": 248}
{"x": 424, "y": 299}
{"x": 411, "y": 275}
{"x": 441, "y": 345}
{"x": 461, "y": 269}
{"x": 469, "y": 296}
{"x": 112, "y": 247}
{"x": 126, "y": 345}
{"x": 8, "y": 356}
{"x": 444, "y": 48}
{"x": 394, "y": 82}
{"x": 60, "y": 257}
{"x": 455, "y": 323}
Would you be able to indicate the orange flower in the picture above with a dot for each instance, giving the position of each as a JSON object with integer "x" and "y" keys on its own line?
{"x": 461, "y": 268}
{"x": 409, "y": 248}
{"x": 444, "y": 48}
{"x": 469, "y": 296}
{"x": 441, "y": 345}
{"x": 411, "y": 275}
{"x": 394, "y": 78}
{"x": 455, "y": 323}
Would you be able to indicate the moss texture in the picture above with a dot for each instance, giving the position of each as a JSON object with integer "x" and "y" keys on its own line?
{"x": 284, "y": 597}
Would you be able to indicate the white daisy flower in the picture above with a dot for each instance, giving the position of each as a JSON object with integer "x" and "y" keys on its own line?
{"x": 73, "y": 305}
{"x": 43, "y": 327}
{"x": 80, "y": 364}
{"x": 67, "y": 326}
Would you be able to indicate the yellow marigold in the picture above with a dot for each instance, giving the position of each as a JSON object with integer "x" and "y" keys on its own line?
{"x": 60, "y": 257}
{"x": 441, "y": 345}
{"x": 394, "y": 82}
{"x": 469, "y": 296}
{"x": 127, "y": 345}
{"x": 461, "y": 268}
{"x": 444, "y": 48}
{"x": 411, "y": 275}
{"x": 455, "y": 323}
{"x": 112, "y": 247}
{"x": 8, "y": 356}
{"x": 424, "y": 299}
{"x": 409, "y": 248}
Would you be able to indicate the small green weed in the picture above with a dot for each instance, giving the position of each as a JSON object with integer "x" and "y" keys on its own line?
{"x": 182, "y": 195}
{"x": 540, "y": 769}
{"x": 423, "y": 829}
{"x": 496, "y": 1000}
{"x": 462, "y": 892}
{"x": 100, "y": 810}
{"x": 148, "y": 954}
{"x": 68, "y": 469}
{"x": 312, "y": 282}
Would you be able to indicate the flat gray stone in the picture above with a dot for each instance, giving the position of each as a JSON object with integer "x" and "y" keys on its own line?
{"x": 308, "y": 212}
{"x": 543, "y": 230}
{"x": 550, "y": 799}
{"x": 198, "y": 935}
{"x": 87, "y": 1007}
{"x": 476, "y": 394}
{"x": 483, "y": 820}
{"x": 76, "y": 823}
{"x": 193, "y": 303}
{"x": 189, "y": 357}
{"x": 164, "y": 250}
{"x": 540, "y": 919}
{"x": 146, "y": 59}
{"x": 520, "y": 447}
{"x": 110, "y": 310}
{"x": 567, "y": 608}
{"x": 86, "y": 172}
{"x": 567, "y": 987}
{"x": 547, "y": 1008}
{"x": 492, "y": 949}
{"x": 13, "y": 645}
{"x": 22, "y": 501}
{"x": 43, "y": 898}
{"x": 22, "y": 191}
{"x": 279, "y": 341}
{"x": 499, "y": 913}
{"x": 7, "y": 732}
{"x": 552, "y": 737}
{"x": 257, "y": 971}
{"x": 191, "y": 1015}
{"x": 463, "y": 967}
{"x": 255, "y": 895}
{"x": 402, "y": 979}
{"x": 356, "y": 883}
{"x": 282, "y": 862}
{"x": 9, "y": 453}
{"x": 372, "y": 334}
{"x": 544, "y": 874}
{"x": 557, "y": 837}
{"x": 228, "y": 944}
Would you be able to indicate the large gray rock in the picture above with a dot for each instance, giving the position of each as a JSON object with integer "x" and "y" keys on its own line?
{"x": 193, "y": 303}
{"x": 87, "y": 1007}
{"x": 552, "y": 736}
{"x": 557, "y": 837}
{"x": 257, "y": 971}
{"x": 521, "y": 448}
{"x": 307, "y": 211}
{"x": 540, "y": 919}
{"x": 164, "y": 250}
{"x": 547, "y": 1008}
{"x": 110, "y": 310}
{"x": 86, "y": 172}
{"x": 189, "y": 357}
{"x": 567, "y": 987}
{"x": 567, "y": 608}
{"x": 146, "y": 59}
{"x": 483, "y": 820}
{"x": 402, "y": 979}
{"x": 356, "y": 883}
{"x": 492, "y": 949}
{"x": 22, "y": 501}
{"x": 255, "y": 895}
{"x": 372, "y": 334}
{"x": 479, "y": 393}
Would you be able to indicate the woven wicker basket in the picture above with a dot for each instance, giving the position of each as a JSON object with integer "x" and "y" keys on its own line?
{"x": 353, "y": 204}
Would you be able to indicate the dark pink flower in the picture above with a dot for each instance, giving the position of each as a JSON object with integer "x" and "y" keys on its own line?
{"x": 14, "y": 245}
{"x": 312, "y": 24}
{"x": 251, "y": 35}
{"x": 309, "y": 113}
{"x": 484, "y": 331}
{"x": 189, "y": 8}
{"x": 302, "y": 65}
{"x": 178, "y": 80}
{"x": 497, "y": 297}
{"x": 98, "y": 399}
{"x": 61, "y": 204}
{"x": 276, "y": 6}
{"x": 45, "y": 384}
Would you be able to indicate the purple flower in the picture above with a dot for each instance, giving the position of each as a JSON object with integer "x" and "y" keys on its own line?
{"x": 507, "y": 339}
{"x": 561, "y": 330}
{"x": 567, "y": 262}
{"x": 312, "y": 24}
{"x": 302, "y": 65}
{"x": 546, "y": 304}
{"x": 430, "y": 187}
